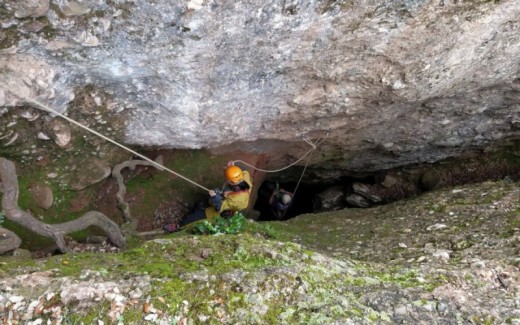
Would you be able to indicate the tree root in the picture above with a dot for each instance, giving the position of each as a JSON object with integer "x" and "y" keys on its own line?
{"x": 57, "y": 232}
{"x": 120, "y": 195}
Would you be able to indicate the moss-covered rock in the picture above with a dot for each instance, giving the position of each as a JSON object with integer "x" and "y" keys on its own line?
{"x": 243, "y": 279}
{"x": 397, "y": 263}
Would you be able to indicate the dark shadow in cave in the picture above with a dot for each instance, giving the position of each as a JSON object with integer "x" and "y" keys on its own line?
{"x": 301, "y": 203}
{"x": 304, "y": 200}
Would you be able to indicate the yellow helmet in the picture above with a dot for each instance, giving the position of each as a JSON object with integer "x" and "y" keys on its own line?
{"x": 234, "y": 174}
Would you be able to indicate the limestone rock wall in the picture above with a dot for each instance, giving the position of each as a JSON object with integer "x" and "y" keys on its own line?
{"x": 398, "y": 82}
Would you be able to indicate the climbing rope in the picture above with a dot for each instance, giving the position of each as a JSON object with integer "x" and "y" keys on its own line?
{"x": 48, "y": 109}
{"x": 314, "y": 146}
{"x": 303, "y": 173}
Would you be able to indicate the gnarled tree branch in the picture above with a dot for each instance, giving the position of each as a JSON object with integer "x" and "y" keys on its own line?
{"x": 120, "y": 195}
{"x": 56, "y": 231}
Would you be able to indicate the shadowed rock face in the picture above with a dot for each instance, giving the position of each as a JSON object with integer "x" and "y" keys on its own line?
{"x": 398, "y": 82}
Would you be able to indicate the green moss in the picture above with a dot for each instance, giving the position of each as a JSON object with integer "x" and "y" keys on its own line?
{"x": 438, "y": 208}
{"x": 59, "y": 160}
{"x": 59, "y": 212}
{"x": 98, "y": 13}
{"x": 93, "y": 315}
{"x": 330, "y": 5}
{"x": 9, "y": 37}
{"x": 10, "y": 266}
{"x": 56, "y": 8}
{"x": 483, "y": 320}
{"x": 49, "y": 32}
{"x": 514, "y": 219}
{"x": 3, "y": 11}
{"x": 331, "y": 286}
{"x": 157, "y": 187}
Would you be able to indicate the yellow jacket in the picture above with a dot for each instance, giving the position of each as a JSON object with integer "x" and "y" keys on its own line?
{"x": 233, "y": 201}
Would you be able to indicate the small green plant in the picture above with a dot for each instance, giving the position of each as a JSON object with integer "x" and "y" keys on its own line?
{"x": 220, "y": 225}
{"x": 2, "y": 217}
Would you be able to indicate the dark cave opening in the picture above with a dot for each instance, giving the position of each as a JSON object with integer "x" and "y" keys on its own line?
{"x": 387, "y": 186}
{"x": 304, "y": 200}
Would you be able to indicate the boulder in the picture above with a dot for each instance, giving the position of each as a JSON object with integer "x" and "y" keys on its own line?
{"x": 29, "y": 8}
{"x": 369, "y": 192}
{"x": 92, "y": 171}
{"x": 60, "y": 132}
{"x": 357, "y": 201}
{"x": 330, "y": 199}
{"x": 41, "y": 195}
{"x": 396, "y": 83}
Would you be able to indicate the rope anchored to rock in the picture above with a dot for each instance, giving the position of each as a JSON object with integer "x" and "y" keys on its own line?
{"x": 314, "y": 146}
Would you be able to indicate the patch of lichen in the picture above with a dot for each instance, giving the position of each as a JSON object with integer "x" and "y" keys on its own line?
{"x": 94, "y": 107}
{"x": 9, "y": 37}
{"x": 331, "y": 5}
{"x": 4, "y": 13}
{"x": 231, "y": 253}
{"x": 214, "y": 277}
{"x": 48, "y": 32}
{"x": 94, "y": 315}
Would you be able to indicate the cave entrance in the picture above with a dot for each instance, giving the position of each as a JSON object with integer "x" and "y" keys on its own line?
{"x": 304, "y": 201}
{"x": 301, "y": 203}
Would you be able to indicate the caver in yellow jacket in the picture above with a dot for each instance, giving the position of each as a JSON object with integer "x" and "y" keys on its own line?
{"x": 235, "y": 198}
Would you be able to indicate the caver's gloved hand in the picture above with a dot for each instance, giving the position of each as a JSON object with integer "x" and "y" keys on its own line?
{"x": 216, "y": 197}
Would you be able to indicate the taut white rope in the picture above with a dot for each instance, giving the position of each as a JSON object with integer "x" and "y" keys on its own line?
{"x": 46, "y": 108}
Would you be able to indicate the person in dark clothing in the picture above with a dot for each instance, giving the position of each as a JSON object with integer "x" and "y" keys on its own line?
{"x": 280, "y": 201}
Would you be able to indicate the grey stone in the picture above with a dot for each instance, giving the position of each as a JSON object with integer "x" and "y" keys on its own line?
{"x": 357, "y": 201}
{"x": 400, "y": 310}
{"x": 92, "y": 171}
{"x": 41, "y": 195}
{"x": 29, "y": 8}
{"x": 74, "y": 8}
{"x": 60, "y": 132}
{"x": 367, "y": 191}
{"x": 330, "y": 199}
